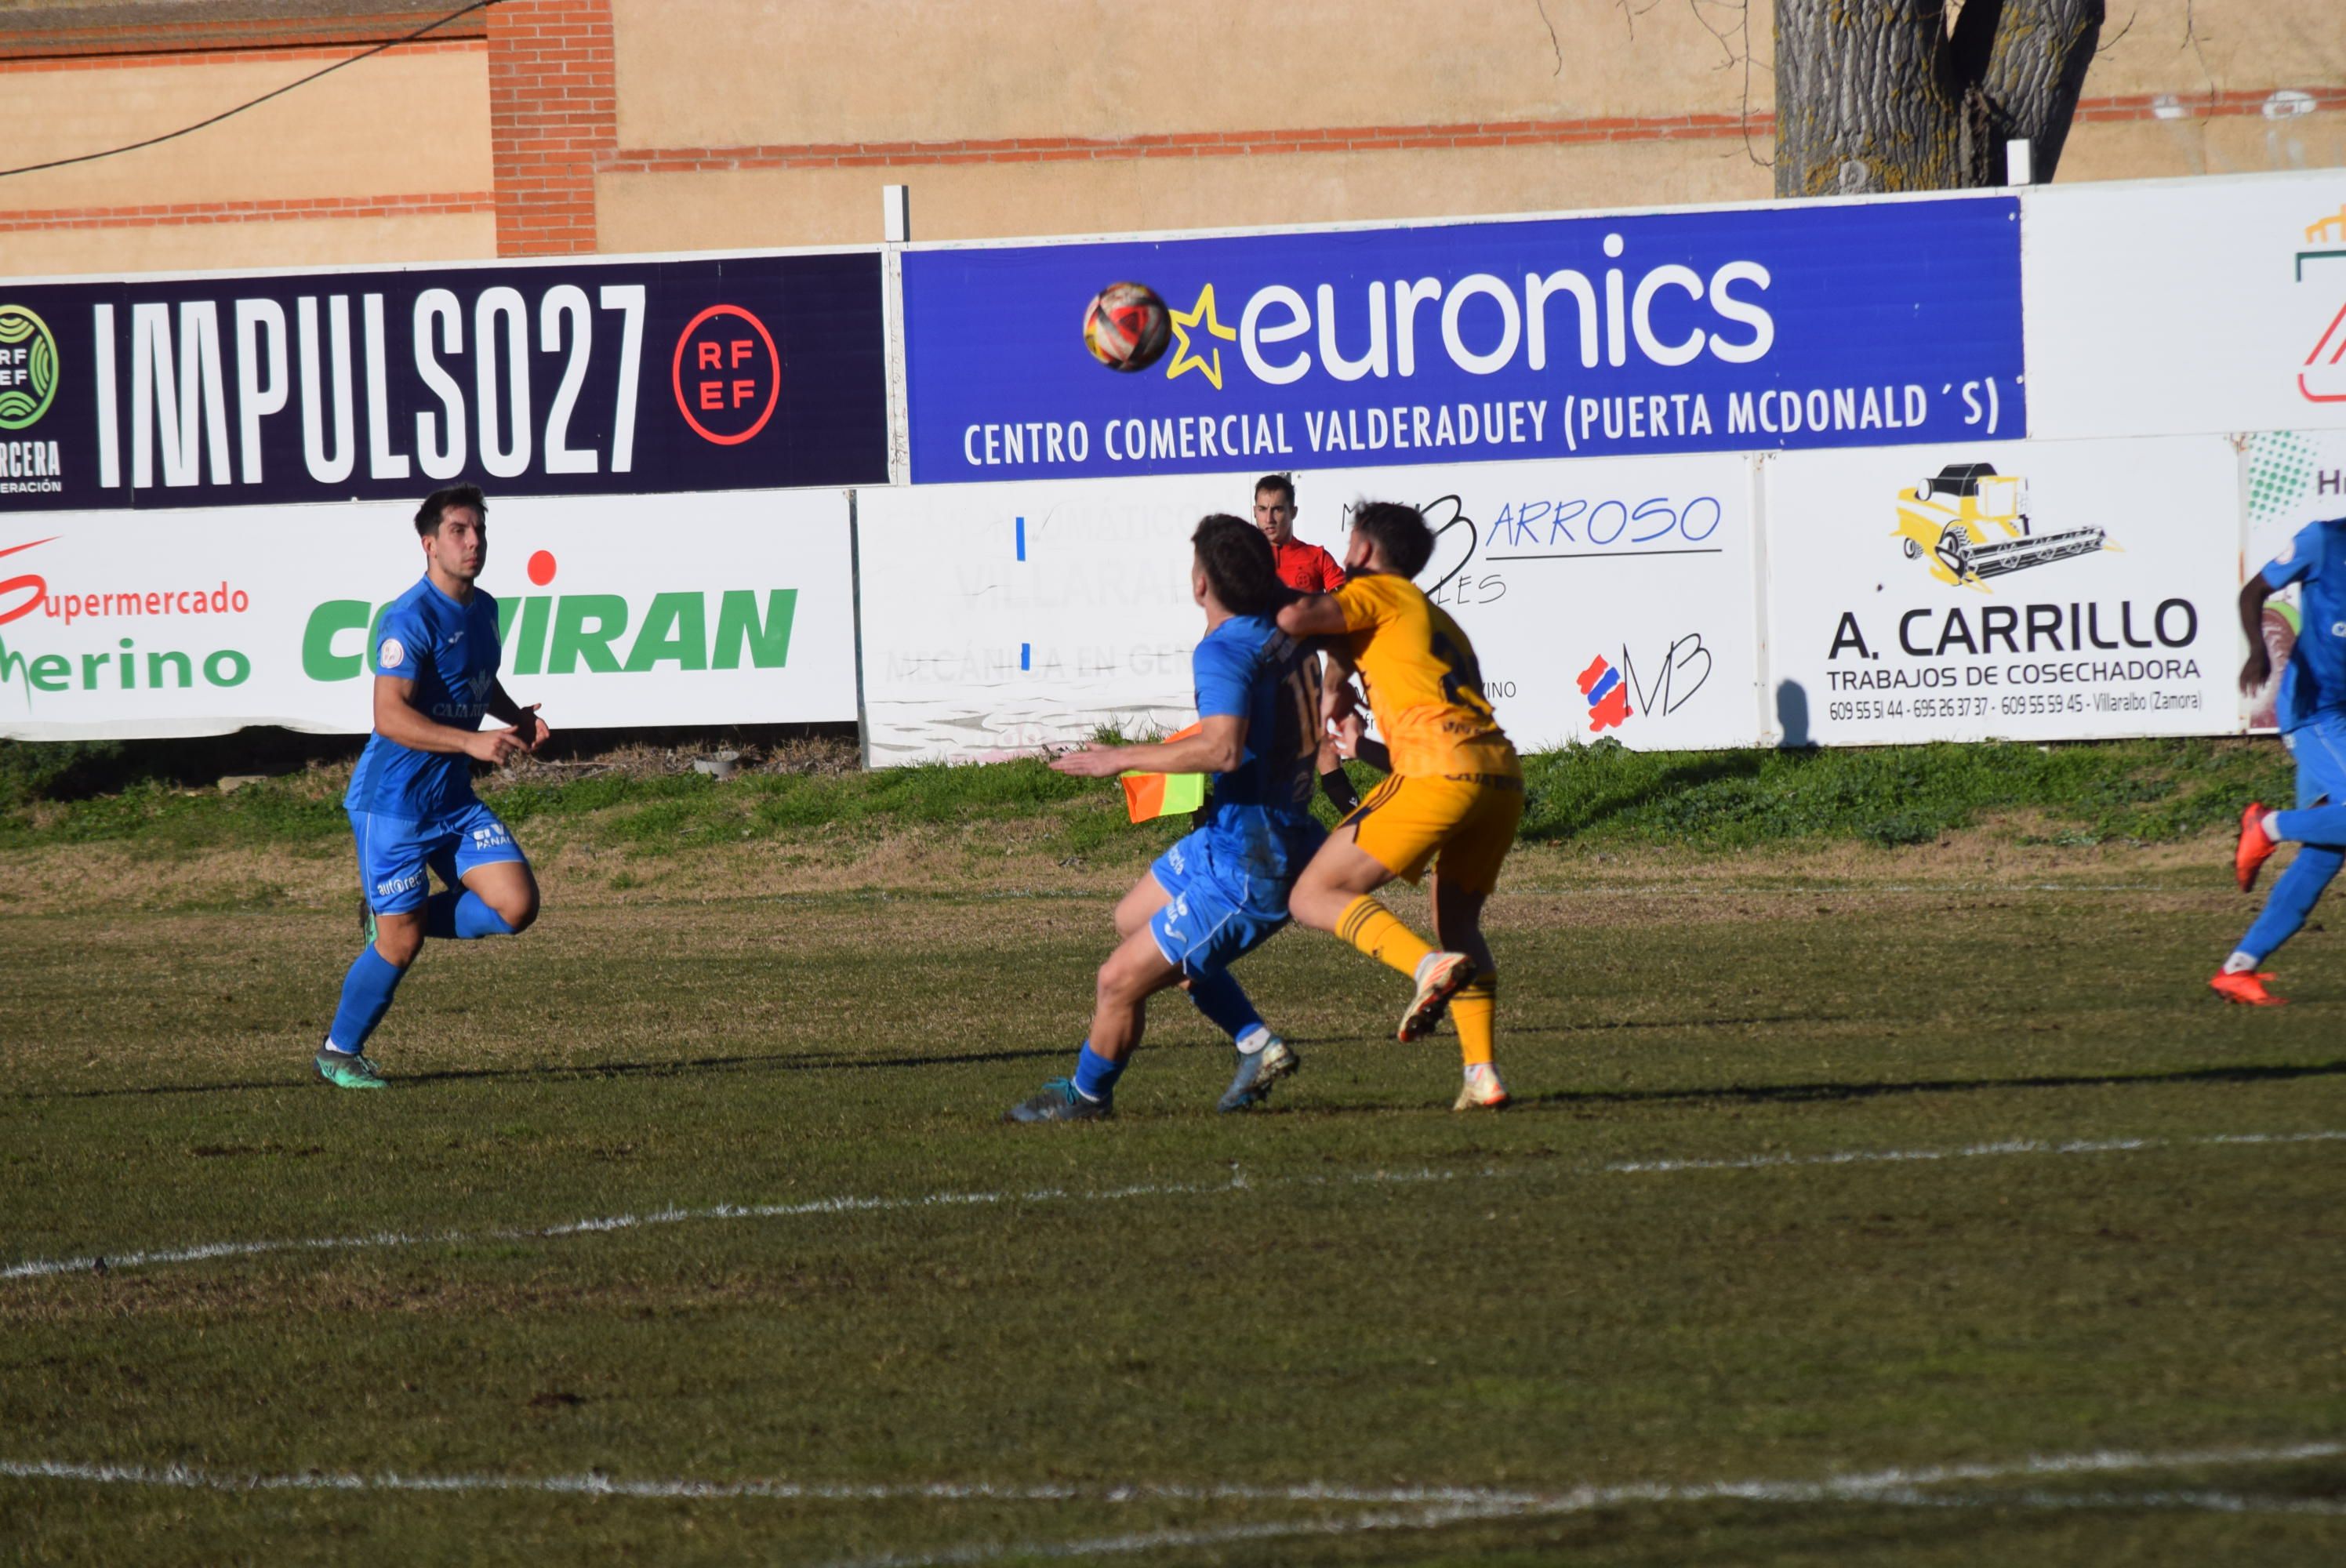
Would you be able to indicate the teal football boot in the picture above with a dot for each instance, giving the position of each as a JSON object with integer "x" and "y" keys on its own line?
{"x": 348, "y": 1071}
{"x": 1058, "y": 1102}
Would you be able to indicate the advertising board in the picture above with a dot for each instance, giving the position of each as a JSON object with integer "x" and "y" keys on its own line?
{"x": 2045, "y": 591}
{"x": 2294, "y": 478}
{"x": 2180, "y": 307}
{"x": 1605, "y": 600}
{"x": 1841, "y": 324}
{"x": 156, "y": 622}
{"x": 571, "y": 378}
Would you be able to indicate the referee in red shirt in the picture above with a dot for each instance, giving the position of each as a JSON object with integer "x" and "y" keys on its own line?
{"x": 1306, "y": 569}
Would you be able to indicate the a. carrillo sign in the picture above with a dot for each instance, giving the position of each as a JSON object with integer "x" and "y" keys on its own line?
{"x": 559, "y": 379}
{"x": 1845, "y": 325}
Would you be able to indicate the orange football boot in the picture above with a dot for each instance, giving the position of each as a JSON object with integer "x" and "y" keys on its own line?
{"x": 1440, "y": 977}
{"x": 2248, "y": 989}
{"x": 2255, "y": 848}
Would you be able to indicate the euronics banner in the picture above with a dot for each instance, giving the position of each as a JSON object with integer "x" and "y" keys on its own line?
{"x": 1847, "y": 324}
{"x": 573, "y": 378}
{"x": 1607, "y": 599}
{"x": 2051, "y": 590}
{"x": 156, "y": 622}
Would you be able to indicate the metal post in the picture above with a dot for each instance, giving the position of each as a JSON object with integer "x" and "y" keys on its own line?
{"x": 896, "y": 210}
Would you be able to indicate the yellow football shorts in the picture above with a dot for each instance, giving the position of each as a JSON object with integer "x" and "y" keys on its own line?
{"x": 1463, "y": 825}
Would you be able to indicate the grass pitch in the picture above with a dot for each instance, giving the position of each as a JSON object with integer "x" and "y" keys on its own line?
{"x": 1842, "y": 1163}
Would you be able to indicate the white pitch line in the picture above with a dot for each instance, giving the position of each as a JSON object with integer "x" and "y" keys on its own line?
{"x": 1892, "y": 1488}
{"x": 596, "y": 1484}
{"x": 2188, "y": 1502}
{"x": 1401, "y": 1508}
{"x": 815, "y": 1207}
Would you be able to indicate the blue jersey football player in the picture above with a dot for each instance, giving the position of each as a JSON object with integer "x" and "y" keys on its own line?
{"x": 1221, "y": 891}
{"x": 2312, "y": 716}
{"x": 410, "y": 801}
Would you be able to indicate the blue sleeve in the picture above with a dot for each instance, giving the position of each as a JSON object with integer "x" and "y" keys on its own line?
{"x": 2298, "y": 557}
{"x": 1224, "y": 671}
{"x": 401, "y": 645}
{"x": 490, "y": 618}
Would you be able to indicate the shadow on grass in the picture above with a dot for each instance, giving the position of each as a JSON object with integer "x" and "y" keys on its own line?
{"x": 1795, "y": 1093}
{"x": 826, "y": 1061}
{"x": 773, "y": 1061}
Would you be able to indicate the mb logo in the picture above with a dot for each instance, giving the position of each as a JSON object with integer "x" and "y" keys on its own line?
{"x": 727, "y": 375}
{"x": 28, "y": 367}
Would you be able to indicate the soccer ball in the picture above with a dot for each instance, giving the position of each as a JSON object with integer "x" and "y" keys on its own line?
{"x": 1126, "y": 327}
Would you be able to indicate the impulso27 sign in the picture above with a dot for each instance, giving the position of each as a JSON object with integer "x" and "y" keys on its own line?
{"x": 623, "y": 377}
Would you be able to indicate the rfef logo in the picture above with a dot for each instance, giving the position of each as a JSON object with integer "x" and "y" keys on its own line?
{"x": 28, "y": 367}
{"x": 727, "y": 375}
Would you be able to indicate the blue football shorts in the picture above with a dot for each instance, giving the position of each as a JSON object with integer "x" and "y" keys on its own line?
{"x": 1209, "y": 925}
{"x": 2319, "y": 745}
{"x": 394, "y": 853}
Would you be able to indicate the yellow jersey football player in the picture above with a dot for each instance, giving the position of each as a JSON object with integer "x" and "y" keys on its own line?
{"x": 1453, "y": 802}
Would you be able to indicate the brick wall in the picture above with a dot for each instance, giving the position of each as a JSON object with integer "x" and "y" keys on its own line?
{"x": 552, "y": 114}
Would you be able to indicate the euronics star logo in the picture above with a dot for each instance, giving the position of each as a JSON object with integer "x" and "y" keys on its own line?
{"x": 1183, "y": 358}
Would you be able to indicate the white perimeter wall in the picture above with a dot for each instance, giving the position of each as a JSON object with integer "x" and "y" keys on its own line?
{"x": 2187, "y": 366}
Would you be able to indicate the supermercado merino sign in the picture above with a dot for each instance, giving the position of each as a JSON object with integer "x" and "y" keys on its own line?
{"x": 141, "y": 623}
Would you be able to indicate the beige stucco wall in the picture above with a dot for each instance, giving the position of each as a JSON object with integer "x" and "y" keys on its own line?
{"x": 709, "y": 73}
{"x": 788, "y": 73}
{"x": 968, "y": 201}
{"x": 725, "y": 73}
{"x": 393, "y": 123}
{"x": 2231, "y": 46}
{"x": 749, "y": 73}
{"x": 2133, "y": 149}
{"x": 318, "y": 242}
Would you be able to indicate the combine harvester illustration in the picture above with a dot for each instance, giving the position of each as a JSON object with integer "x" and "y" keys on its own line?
{"x": 1950, "y": 516}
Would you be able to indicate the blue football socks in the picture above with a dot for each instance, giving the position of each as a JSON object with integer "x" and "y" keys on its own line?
{"x": 1096, "y": 1075}
{"x": 2321, "y": 825}
{"x": 366, "y": 997}
{"x": 1224, "y": 1002}
{"x": 2293, "y": 896}
{"x": 462, "y": 915}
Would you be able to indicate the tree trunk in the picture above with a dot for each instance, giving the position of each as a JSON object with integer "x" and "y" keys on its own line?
{"x": 2029, "y": 59}
{"x": 1881, "y": 95}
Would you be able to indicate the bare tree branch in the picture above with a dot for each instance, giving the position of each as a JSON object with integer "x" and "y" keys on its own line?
{"x": 1553, "y": 41}
{"x": 1734, "y": 35}
{"x": 2191, "y": 41}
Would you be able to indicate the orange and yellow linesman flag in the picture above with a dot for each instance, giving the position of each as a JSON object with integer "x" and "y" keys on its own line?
{"x": 1147, "y": 795}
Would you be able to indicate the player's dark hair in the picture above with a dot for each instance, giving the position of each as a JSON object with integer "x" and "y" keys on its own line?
{"x": 1239, "y": 564}
{"x": 427, "y": 517}
{"x": 1278, "y": 482}
{"x": 1398, "y": 531}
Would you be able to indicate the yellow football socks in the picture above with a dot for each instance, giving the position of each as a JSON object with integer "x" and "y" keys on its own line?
{"x": 1473, "y": 1010}
{"x": 1374, "y": 929}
